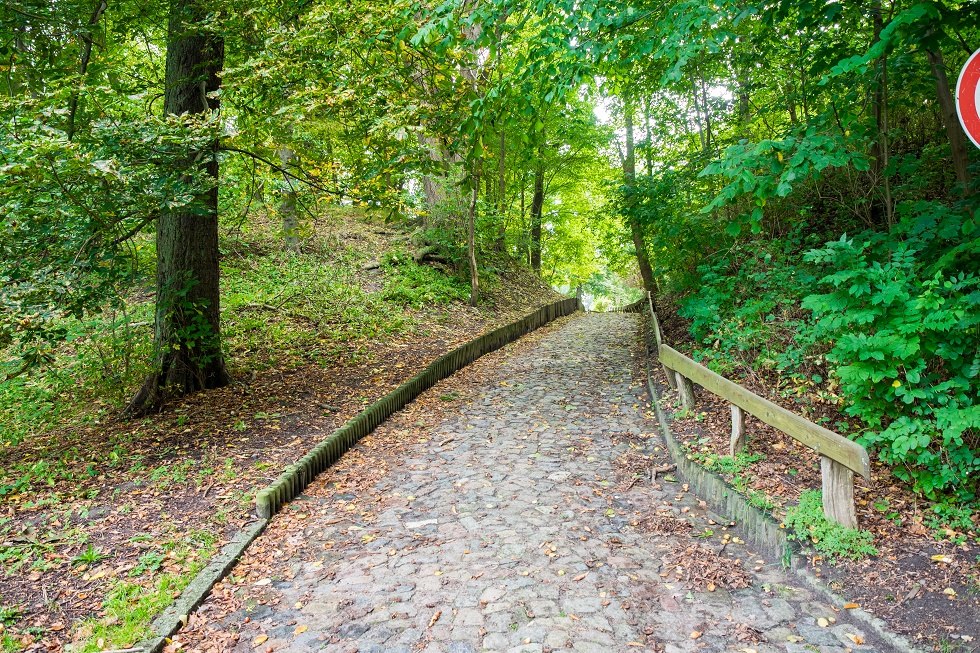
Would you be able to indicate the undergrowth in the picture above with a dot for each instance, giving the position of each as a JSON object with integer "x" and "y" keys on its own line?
{"x": 807, "y": 523}
{"x": 279, "y": 309}
{"x": 884, "y": 326}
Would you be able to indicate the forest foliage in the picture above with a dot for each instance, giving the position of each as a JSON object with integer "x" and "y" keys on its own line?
{"x": 789, "y": 174}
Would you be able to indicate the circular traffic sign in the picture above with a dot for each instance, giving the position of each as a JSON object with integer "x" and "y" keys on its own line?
{"x": 968, "y": 97}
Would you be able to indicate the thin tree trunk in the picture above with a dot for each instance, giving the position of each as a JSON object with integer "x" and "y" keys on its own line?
{"x": 629, "y": 177}
{"x": 471, "y": 235}
{"x": 187, "y": 338}
{"x": 648, "y": 133}
{"x": 502, "y": 191}
{"x": 87, "y": 41}
{"x": 537, "y": 207}
{"x": 957, "y": 140}
{"x": 287, "y": 208}
{"x": 880, "y": 149}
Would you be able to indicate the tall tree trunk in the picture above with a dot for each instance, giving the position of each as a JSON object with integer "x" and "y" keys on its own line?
{"x": 471, "y": 234}
{"x": 957, "y": 140}
{"x": 87, "y": 42}
{"x": 537, "y": 207}
{"x": 502, "y": 191}
{"x": 187, "y": 338}
{"x": 629, "y": 178}
{"x": 287, "y": 207}
{"x": 880, "y": 149}
{"x": 648, "y": 136}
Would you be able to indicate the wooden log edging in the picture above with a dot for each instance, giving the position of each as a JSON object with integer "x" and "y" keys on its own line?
{"x": 296, "y": 477}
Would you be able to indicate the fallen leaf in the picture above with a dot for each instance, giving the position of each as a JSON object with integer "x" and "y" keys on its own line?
{"x": 435, "y": 618}
{"x": 857, "y": 639}
{"x": 259, "y": 640}
{"x": 942, "y": 558}
{"x": 581, "y": 576}
{"x": 823, "y": 622}
{"x": 696, "y": 634}
{"x": 300, "y": 630}
{"x": 851, "y": 606}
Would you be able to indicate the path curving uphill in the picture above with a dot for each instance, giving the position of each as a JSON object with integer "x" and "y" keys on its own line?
{"x": 511, "y": 509}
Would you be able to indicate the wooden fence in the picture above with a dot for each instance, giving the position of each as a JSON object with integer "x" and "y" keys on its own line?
{"x": 840, "y": 458}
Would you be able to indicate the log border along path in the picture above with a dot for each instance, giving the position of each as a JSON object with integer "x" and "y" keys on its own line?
{"x": 512, "y": 508}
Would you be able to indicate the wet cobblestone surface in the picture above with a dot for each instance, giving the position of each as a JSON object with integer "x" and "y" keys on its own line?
{"x": 515, "y": 527}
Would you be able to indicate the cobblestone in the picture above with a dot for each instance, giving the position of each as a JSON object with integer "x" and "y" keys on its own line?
{"x": 514, "y": 532}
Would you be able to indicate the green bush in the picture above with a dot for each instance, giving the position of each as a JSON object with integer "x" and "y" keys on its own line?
{"x": 806, "y": 523}
{"x": 902, "y": 311}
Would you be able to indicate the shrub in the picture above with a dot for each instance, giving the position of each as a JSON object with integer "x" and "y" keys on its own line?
{"x": 902, "y": 311}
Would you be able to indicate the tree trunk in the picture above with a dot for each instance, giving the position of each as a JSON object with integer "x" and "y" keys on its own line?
{"x": 880, "y": 149}
{"x": 502, "y": 191}
{"x": 187, "y": 338}
{"x": 537, "y": 207}
{"x": 471, "y": 235}
{"x": 629, "y": 178}
{"x": 648, "y": 137}
{"x": 957, "y": 140}
{"x": 287, "y": 208}
{"x": 86, "y": 56}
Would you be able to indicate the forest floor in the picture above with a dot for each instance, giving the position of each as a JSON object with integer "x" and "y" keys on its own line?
{"x": 103, "y": 521}
{"x": 925, "y": 579}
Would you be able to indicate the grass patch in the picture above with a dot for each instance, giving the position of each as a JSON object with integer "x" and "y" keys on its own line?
{"x": 131, "y": 606}
{"x": 806, "y": 523}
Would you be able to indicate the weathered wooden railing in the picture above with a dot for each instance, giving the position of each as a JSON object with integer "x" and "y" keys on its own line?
{"x": 840, "y": 458}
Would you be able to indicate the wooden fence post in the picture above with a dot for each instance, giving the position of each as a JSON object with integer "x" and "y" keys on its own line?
{"x": 838, "y": 492}
{"x": 737, "y": 442}
{"x": 685, "y": 389}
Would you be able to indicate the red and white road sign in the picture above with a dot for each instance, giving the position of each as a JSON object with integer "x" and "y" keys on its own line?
{"x": 968, "y": 97}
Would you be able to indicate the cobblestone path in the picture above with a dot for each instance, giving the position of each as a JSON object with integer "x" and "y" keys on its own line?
{"x": 520, "y": 524}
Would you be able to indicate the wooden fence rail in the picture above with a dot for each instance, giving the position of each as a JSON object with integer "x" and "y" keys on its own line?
{"x": 840, "y": 458}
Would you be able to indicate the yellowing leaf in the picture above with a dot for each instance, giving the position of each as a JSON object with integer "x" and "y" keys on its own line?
{"x": 300, "y": 630}
{"x": 857, "y": 639}
{"x": 942, "y": 558}
{"x": 260, "y": 639}
{"x": 696, "y": 634}
{"x": 851, "y": 606}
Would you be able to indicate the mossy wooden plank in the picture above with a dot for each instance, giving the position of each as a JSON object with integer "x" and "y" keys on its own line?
{"x": 823, "y": 441}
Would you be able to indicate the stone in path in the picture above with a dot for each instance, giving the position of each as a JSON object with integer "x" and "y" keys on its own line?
{"x": 515, "y": 527}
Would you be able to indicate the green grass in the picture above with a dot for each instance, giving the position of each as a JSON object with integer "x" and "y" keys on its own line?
{"x": 89, "y": 556}
{"x": 806, "y": 523}
{"x": 130, "y": 606}
{"x": 278, "y": 309}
